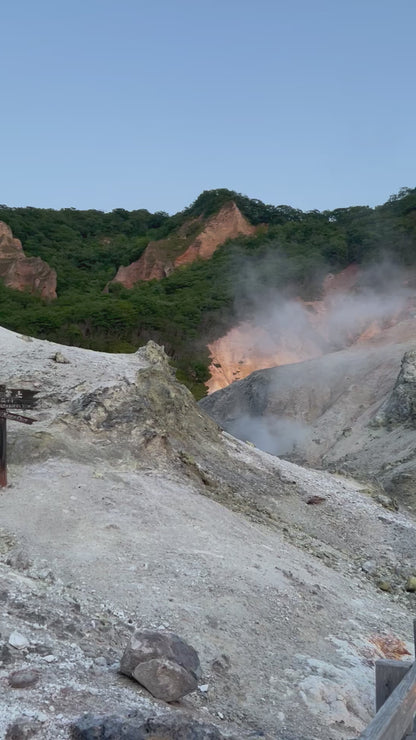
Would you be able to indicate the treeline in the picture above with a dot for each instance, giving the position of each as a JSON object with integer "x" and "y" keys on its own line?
{"x": 197, "y": 302}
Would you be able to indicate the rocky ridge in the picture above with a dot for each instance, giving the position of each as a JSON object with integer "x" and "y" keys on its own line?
{"x": 24, "y": 273}
{"x": 400, "y": 407}
{"x": 145, "y": 515}
{"x": 350, "y": 411}
{"x": 196, "y": 239}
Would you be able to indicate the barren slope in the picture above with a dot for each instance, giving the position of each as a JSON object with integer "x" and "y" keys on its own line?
{"x": 129, "y": 506}
{"x": 323, "y": 411}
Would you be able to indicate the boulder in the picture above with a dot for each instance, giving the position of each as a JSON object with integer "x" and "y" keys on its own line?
{"x": 24, "y": 678}
{"x": 165, "y": 727}
{"x": 178, "y": 728}
{"x": 165, "y": 679}
{"x": 18, "y": 641}
{"x": 60, "y": 358}
{"x": 23, "y": 729}
{"x": 111, "y": 727}
{"x": 161, "y": 662}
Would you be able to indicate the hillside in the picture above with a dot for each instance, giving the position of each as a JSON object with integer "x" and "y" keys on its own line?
{"x": 350, "y": 411}
{"x": 197, "y": 303}
{"x": 285, "y": 331}
{"x": 128, "y": 507}
{"x": 197, "y": 238}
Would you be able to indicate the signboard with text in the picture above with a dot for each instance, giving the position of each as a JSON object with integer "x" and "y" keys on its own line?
{"x": 12, "y": 400}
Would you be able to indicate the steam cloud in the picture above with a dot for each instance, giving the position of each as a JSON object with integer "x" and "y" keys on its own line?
{"x": 379, "y": 295}
{"x": 279, "y": 436}
{"x": 288, "y": 326}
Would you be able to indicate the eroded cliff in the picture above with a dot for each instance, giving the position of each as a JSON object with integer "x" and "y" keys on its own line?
{"x": 24, "y": 273}
{"x": 195, "y": 239}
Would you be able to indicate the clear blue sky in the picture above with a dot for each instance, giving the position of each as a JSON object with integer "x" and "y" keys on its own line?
{"x": 146, "y": 103}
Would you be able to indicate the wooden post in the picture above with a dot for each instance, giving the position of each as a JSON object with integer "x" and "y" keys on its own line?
{"x": 3, "y": 453}
{"x": 12, "y": 398}
{"x": 395, "y": 700}
{"x": 389, "y": 673}
{"x": 414, "y": 635}
{"x": 395, "y": 717}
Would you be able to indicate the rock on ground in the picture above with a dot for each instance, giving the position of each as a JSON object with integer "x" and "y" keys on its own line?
{"x": 163, "y": 663}
{"x": 91, "y": 727}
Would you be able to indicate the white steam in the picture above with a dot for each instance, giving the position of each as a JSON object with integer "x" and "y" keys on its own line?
{"x": 278, "y": 436}
{"x": 332, "y": 322}
{"x": 287, "y": 329}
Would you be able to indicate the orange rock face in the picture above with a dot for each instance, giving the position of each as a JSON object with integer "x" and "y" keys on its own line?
{"x": 249, "y": 347}
{"x": 160, "y": 258}
{"x": 341, "y": 281}
{"x": 148, "y": 267}
{"x": 24, "y": 273}
{"x": 228, "y": 223}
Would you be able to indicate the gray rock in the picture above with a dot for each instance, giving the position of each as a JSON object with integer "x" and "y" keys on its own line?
{"x": 24, "y": 678}
{"x": 6, "y": 655}
{"x": 370, "y": 566}
{"x": 387, "y": 502}
{"x": 221, "y": 664}
{"x": 385, "y": 586}
{"x": 166, "y": 727}
{"x": 49, "y": 658}
{"x": 165, "y": 679}
{"x": 400, "y": 407}
{"x": 147, "y": 645}
{"x": 59, "y": 357}
{"x": 91, "y": 727}
{"x": 18, "y": 641}
{"x": 411, "y": 584}
{"x": 19, "y": 560}
{"x": 100, "y": 661}
{"x": 177, "y": 728}
{"x": 22, "y": 729}
{"x": 401, "y": 483}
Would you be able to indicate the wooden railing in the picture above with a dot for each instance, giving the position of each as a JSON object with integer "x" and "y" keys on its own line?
{"x": 395, "y": 701}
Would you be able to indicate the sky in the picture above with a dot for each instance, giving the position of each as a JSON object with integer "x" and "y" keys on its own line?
{"x": 146, "y": 103}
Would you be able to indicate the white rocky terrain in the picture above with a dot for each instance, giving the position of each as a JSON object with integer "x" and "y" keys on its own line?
{"x": 128, "y": 507}
{"x": 351, "y": 411}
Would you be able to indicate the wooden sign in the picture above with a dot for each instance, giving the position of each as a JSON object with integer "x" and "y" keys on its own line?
{"x": 14, "y": 399}
{"x": 4, "y": 414}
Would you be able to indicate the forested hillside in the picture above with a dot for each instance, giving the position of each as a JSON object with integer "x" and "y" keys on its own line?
{"x": 196, "y": 303}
